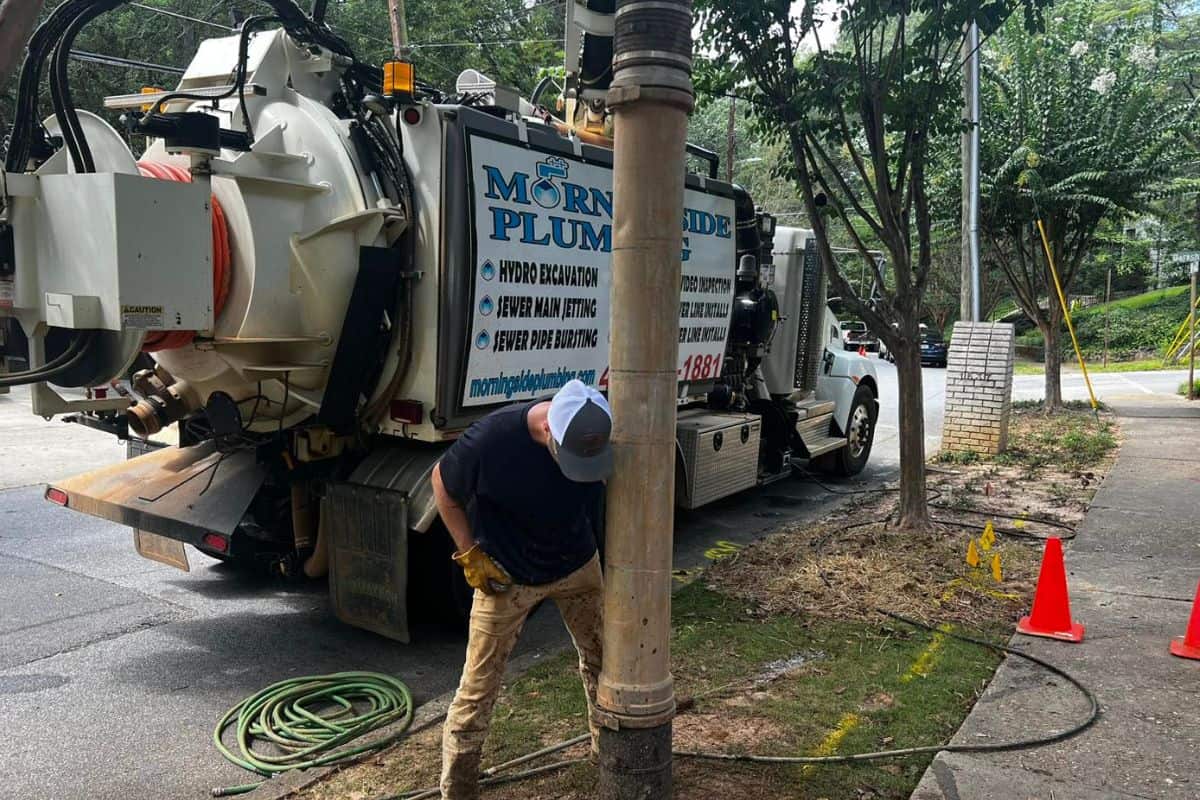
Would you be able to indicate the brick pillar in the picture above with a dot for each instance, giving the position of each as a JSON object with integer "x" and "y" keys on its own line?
{"x": 979, "y": 373}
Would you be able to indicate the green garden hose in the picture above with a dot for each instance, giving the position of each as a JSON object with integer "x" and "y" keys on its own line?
{"x": 310, "y": 722}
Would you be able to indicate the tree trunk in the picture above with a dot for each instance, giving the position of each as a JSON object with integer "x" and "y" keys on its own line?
{"x": 914, "y": 512}
{"x": 17, "y": 18}
{"x": 1052, "y": 334}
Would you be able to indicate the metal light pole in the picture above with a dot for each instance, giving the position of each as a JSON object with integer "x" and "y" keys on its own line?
{"x": 1194, "y": 267}
{"x": 970, "y": 297}
{"x": 651, "y": 96}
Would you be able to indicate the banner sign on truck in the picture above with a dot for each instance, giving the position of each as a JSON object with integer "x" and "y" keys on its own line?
{"x": 542, "y": 229}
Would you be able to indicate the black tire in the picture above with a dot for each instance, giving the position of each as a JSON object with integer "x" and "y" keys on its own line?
{"x": 851, "y": 459}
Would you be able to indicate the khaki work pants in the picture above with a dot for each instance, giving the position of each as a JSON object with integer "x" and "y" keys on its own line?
{"x": 496, "y": 621}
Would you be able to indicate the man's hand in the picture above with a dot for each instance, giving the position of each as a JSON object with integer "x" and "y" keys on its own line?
{"x": 482, "y": 573}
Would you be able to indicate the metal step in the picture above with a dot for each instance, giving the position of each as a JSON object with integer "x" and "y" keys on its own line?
{"x": 810, "y": 407}
{"x": 815, "y": 427}
{"x": 823, "y": 445}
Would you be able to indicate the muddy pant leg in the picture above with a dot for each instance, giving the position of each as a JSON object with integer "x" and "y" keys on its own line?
{"x": 496, "y": 622}
{"x": 580, "y": 600}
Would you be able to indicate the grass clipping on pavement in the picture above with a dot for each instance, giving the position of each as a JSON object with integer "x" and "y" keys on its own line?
{"x": 777, "y": 648}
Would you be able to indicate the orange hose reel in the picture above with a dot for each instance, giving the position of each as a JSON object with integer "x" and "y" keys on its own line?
{"x": 222, "y": 260}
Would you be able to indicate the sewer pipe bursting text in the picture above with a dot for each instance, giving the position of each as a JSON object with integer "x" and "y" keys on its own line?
{"x": 542, "y": 230}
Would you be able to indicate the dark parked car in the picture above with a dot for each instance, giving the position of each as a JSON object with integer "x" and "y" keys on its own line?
{"x": 933, "y": 348}
{"x": 856, "y": 335}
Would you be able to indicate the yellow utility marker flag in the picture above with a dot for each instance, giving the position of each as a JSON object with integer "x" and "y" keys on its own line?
{"x": 972, "y": 554}
{"x": 989, "y": 537}
{"x": 996, "y": 572}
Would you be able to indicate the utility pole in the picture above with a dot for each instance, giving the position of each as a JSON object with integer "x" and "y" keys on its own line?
{"x": 651, "y": 97}
{"x": 399, "y": 30}
{"x": 969, "y": 293}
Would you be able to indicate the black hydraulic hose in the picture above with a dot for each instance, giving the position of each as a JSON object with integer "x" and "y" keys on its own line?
{"x": 64, "y": 361}
{"x": 25, "y": 116}
{"x": 491, "y": 776}
{"x": 902, "y": 752}
{"x": 239, "y": 81}
{"x": 50, "y": 34}
{"x": 68, "y": 117}
{"x": 933, "y": 494}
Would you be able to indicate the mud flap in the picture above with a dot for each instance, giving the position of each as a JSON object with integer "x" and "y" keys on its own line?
{"x": 367, "y": 530}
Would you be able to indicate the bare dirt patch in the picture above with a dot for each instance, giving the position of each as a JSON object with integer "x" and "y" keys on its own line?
{"x": 853, "y": 563}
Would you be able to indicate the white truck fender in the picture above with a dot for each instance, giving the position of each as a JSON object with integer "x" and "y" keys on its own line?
{"x": 840, "y": 375}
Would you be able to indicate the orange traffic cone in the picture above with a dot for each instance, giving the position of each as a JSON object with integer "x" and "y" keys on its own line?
{"x": 1051, "y": 615}
{"x": 1188, "y": 645}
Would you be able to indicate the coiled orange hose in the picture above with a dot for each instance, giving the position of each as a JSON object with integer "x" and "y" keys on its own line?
{"x": 222, "y": 260}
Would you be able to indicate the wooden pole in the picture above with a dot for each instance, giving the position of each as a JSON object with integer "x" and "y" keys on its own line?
{"x": 399, "y": 29}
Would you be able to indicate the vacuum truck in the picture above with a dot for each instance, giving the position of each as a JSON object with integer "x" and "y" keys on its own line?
{"x": 316, "y": 273}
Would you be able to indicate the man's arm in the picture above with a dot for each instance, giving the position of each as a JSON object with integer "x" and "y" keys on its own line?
{"x": 453, "y": 514}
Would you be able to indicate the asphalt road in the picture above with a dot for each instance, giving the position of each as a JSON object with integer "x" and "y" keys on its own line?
{"x": 113, "y": 669}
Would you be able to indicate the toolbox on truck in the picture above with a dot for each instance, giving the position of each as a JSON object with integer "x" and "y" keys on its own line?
{"x": 720, "y": 455}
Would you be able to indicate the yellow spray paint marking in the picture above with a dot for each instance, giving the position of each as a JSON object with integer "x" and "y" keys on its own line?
{"x": 997, "y": 573}
{"x": 829, "y": 744}
{"x": 952, "y": 589}
{"x": 925, "y": 661}
{"x": 722, "y": 549}
{"x": 1018, "y": 524}
{"x": 989, "y": 537}
{"x": 972, "y": 554}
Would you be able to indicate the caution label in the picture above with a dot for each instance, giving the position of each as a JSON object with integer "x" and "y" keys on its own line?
{"x": 142, "y": 316}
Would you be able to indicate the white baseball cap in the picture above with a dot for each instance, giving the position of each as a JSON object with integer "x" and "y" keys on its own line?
{"x": 580, "y": 425}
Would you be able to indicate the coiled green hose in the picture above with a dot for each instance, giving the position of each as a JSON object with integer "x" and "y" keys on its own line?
{"x": 310, "y": 722}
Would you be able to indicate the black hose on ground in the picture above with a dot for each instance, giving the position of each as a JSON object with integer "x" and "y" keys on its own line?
{"x": 934, "y": 493}
{"x": 492, "y": 775}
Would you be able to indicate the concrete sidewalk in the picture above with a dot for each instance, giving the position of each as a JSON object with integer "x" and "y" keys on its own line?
{"x": 1132, "y": 570}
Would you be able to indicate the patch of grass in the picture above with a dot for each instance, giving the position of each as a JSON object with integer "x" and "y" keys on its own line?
{"x": 958, "y": 457}
{"x": 1137, "y": 365}
{"x": 861, "y": 685}
{"x": 1072, "y": 439}
{"x": 858, "y": 684}
{"x": 1138, "y": 326}
{"x": 1183, "y": 388}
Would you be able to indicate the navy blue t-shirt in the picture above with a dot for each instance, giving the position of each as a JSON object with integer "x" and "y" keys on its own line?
{"x": 524, "y": 513}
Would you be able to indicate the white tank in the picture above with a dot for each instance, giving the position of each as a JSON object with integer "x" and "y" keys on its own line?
{"x": 297, "y": 208}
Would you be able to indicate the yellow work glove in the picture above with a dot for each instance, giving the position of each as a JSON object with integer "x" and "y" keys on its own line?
{"x": 481, "y": 572}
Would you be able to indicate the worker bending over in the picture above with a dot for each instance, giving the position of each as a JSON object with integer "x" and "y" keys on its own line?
{"x": 518, "y": 492}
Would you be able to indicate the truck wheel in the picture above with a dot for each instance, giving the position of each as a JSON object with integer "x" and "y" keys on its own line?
{"x": 860, "y": 435}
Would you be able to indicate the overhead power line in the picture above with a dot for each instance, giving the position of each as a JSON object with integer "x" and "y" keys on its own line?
{"x": 481, "y": 44}
{"x": 128, "y": 63}
{"x": 177, "y": 15}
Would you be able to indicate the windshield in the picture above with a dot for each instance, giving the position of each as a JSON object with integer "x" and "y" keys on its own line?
{"x": 931, "y": 337}
{"x": 854, "y": 326}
